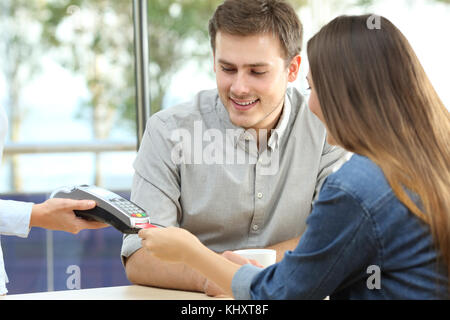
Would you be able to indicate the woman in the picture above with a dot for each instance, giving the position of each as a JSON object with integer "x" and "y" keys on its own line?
{"x": 385, "y": 215}
{"x": 16, "y": 217}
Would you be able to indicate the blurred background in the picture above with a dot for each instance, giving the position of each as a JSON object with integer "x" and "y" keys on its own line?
{"x": 67, "y": 83}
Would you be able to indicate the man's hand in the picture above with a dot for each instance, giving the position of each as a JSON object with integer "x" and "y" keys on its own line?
{"x": 58, "y": 214}
{"x": 213, "y": 290}
{"x": 234, "y": 257}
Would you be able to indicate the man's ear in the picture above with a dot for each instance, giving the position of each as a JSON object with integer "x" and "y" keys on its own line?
{"x": 294, "y": 68}
{"x": 214, "y": 62}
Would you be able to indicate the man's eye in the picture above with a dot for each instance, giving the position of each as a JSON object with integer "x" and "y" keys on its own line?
{"x": 227, "y": 69}
{"x": 258, "y": 73}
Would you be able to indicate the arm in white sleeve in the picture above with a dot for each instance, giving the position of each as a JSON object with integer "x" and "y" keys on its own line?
{"x": 14, "y": 215}
{"x": 15, "y": 218}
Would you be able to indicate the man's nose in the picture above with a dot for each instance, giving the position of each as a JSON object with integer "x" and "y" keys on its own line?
{"x": 240, "y": 85}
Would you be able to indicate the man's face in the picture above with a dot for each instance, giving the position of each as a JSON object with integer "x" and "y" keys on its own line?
{"x": 252, "y": 78}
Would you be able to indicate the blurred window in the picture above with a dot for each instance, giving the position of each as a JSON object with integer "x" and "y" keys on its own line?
{"x": 67, "y": 83}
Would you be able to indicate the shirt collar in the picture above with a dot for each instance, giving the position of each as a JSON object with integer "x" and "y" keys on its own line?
{"x": 282, "y": 124}
{"x": 240, "y": 134}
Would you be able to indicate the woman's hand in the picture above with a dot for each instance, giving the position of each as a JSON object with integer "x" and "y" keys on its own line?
{"x": 179, "y": 245}
{"x": 170, "y": 244}
{"x": 57, "y": 214}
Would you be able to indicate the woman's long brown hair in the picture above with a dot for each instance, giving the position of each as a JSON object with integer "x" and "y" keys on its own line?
{"x": 377, "y": 101}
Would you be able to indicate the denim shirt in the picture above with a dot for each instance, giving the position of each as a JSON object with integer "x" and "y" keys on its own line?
{"x": 361, "y": 242}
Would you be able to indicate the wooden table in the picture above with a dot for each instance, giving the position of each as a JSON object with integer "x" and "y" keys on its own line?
{"x": 133, "y": 292}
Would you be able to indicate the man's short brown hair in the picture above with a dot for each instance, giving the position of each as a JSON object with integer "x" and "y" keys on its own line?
{"x": 250, "y": 17}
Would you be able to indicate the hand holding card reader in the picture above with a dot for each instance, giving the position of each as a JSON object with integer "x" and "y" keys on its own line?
{"x": 111, "y": 208}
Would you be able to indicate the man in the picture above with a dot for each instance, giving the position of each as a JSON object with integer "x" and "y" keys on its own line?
{"x": 238, "y": 166}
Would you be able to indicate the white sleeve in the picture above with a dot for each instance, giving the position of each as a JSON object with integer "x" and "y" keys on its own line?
{"x": 15, "y": 218}
{"x": 14, "y": 215}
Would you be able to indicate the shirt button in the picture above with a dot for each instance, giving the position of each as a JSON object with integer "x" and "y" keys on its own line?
{"x": 255, "y": 227}
{"x": 259, "y": 195}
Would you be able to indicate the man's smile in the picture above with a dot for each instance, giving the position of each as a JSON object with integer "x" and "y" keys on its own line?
{"x": 243, "y": 105}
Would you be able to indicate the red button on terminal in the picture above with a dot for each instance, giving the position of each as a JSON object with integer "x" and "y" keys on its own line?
{"x": 145, "y": 225}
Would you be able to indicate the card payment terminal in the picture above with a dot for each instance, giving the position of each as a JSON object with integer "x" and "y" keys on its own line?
{"x": 111, "y": 208}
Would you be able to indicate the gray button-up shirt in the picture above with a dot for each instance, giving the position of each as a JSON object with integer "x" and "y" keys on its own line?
{"x": 198, "y": 171}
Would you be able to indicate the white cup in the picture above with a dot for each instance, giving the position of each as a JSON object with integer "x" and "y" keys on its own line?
{"x": 265, "y": 257}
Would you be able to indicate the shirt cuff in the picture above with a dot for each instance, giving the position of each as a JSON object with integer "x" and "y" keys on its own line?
{"x": 15, "y": 218}
{"x": 131, "y": 243}
{"x": 242, "y": 281}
